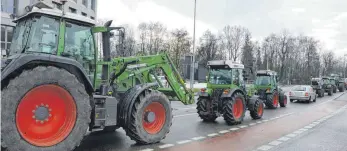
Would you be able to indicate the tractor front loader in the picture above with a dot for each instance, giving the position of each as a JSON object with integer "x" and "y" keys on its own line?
{"x": 226, "y": 94}
{"x": 268, "y": 89}
{"x": 55, "y": 89}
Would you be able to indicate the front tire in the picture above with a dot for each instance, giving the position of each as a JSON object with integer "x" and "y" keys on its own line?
{"x": 330, "y": 93}
{"x": 257, "y": 110}
{"x": 151, "y": 118}
{"x": 205, "y": 110}
{"x": 283, "y": 100}
{"x": 234, "y": 109}
{"x": 272, "y": 100}
{"x": 33, "y": 99}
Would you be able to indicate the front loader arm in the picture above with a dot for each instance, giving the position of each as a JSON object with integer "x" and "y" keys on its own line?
{"x": 143, "y": 66}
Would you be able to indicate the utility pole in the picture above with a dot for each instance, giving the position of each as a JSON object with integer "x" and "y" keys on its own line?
{"x": 345, "y": 64}
{"x": 193, "y": 60}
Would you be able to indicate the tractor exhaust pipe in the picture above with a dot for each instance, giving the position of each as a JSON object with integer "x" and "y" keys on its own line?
{"x": 106, "y": 51}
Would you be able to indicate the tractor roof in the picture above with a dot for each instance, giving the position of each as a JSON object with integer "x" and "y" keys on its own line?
{"x": 266, "y": 72}
{"x": 43, "y": 8}
{"x": 229, "y": 63}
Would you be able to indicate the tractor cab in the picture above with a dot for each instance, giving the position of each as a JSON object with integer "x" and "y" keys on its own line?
{"x": 225, "y": 74}
{"x": 48, "y": 31}
{"x": 48, "y": 34}
{"x": 266, "y": 80}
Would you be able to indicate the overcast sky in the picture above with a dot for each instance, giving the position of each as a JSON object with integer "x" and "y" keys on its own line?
{"x": 325, "y": 20}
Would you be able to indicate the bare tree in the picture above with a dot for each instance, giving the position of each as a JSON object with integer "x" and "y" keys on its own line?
{"x": 179, "y": 45}
{"x": 232, "y": 39}
{"x": 210, "y": 48}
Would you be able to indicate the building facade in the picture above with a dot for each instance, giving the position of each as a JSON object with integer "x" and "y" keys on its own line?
{"x": 85, "y": 8}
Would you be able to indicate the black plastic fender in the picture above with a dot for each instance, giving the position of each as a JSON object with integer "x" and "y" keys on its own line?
{"x": 231, "y": 92}
{"x": 14, "y": 64}
{"x": 125, "y": 105}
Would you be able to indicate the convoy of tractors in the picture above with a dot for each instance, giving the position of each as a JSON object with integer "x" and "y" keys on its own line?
{"x": 55, "y": 90}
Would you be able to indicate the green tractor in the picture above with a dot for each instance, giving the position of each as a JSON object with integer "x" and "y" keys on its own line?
{"x": 226, "y": 94}
{"x": 55, "y": 89}
{"x": 327, "y": 86}
{"x": 339, "y": 82}
{"x": 268, "y": 89}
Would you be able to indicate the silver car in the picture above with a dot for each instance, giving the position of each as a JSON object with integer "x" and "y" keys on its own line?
{"x": 303, "y": 93}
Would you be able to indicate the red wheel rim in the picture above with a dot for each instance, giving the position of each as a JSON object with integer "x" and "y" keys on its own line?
{"x": 275, "y": 100}
{"x": 260, "y": 109}
{"x": 46, "y": 115}
{"x": 238, "y": 108}
{"x": 153, "y": 125}
{"x": 285, "y": 100}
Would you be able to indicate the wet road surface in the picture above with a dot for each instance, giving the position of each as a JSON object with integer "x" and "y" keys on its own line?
{"x": 188, "y": 132}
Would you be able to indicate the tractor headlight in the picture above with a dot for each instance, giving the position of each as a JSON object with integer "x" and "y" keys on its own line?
{"x": 268, "y": 90}
{"x": 226, "y": 91}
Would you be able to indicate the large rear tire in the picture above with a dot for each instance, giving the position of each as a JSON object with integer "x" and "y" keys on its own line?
{"x": 33, "y": 99}
{"x": 257, "y": 109}
{"x": 330, "y": 92}
{"x": 272, "y": 100}
{"x": 234, "y": 109}
{"x": 341, "y": 89}
{"x": 151, "y": 118}
{"x": 205, "y": 110}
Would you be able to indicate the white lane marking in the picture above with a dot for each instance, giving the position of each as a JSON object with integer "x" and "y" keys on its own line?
{"x": 265, "y": 120}
{"x": 308, "y": 127}
{"x": 321, "y": 120}
{"x": 277, "y": 117}
{"x": 223, "y": 131}
{"x": 252, "y": 124}
{"x": 265, "y": 147}
{"x": 303, "y": 129}
{"x": 234, "y": 129}
{"x": 316, "y": 123}
{"x": 272, "y": 118}
{"x": 298, "y": 132}
{"x": 243, "y": 126}
{"x": 185, "y": 115}
{"x": 184, "y": 141}
{"x": 259, "y": 122}
{"x": 275, "y": 143}
{"x": 312, "y": 125}
{"x": 291, "y": 135}
{"x": 198, "y": 138}
{"x": 283, "y": 138}
{"x": 147, "y": 149}
{"x": 212, "y": 134}
{"x": 166, "y": 145}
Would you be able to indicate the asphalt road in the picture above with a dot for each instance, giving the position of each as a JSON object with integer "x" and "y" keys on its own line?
{"x": 188, "y": 132}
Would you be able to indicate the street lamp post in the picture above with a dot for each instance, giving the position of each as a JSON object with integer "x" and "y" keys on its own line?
{"x": 345, "y": 64}
{"x": 193, "y": 59}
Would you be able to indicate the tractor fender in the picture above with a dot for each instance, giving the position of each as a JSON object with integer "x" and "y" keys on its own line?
{"x": 231, "y": 92}
{"x": 125, "y": 105}
{"x": 14, "y": 65}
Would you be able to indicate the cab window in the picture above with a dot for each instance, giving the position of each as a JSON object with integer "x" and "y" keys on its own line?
{"x": 79, "y": 45}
